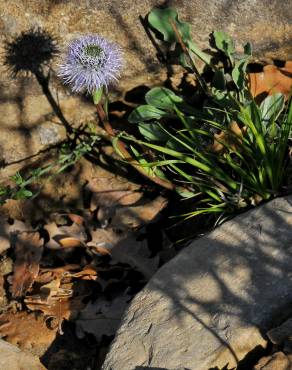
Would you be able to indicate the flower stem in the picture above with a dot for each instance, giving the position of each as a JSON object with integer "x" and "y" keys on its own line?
{"x": 201, "y": 82}
{"x": 125, "y": 153}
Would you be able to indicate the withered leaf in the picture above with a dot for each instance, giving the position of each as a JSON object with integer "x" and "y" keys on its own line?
{"x": 271, "y": 80}
{"x": 7, "y": 230}
{"x": 110, "y": 191}
{"x": 65, "y": 236}
{"x": 28, "y": 252}
{"x": 25, "y": 330}
{"x": 230, "y": 137}
{"x": 133, "y": 217}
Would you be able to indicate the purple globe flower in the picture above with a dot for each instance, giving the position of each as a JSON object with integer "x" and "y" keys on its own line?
{"x": 91, "y": 62}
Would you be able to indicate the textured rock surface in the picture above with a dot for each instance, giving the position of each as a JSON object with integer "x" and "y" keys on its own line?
{"x": 266, "y": 23}
{"x": 208, "y": 306}
{"x": 12, "y": 358}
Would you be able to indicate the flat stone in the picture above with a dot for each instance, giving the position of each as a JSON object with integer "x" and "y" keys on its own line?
{"x": 12, "y": 358}
{"x": 209, "y": 305}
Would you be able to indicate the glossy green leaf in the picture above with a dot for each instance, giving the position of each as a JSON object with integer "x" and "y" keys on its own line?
{"x": 160, "y": 20}
{"x": 194, "y": 48}
{"x": 224, "y": 43}
{"x": 161, "y": 97}
{"x": 271, "y": 107}
{"x": 146, "y": 113}
{"x": 239, "y": 74}
{"x": 152, "y": 132}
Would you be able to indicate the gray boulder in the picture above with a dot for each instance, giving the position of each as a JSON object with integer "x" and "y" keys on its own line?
{"x": 209, "y": 305}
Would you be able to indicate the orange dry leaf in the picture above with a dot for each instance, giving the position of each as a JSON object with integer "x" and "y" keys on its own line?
{"x": 230, "y": 137}
{"x": 28, "y": 252}
{"x": 26, "y": 330}
{"x": 271, "y": 80}
{"x": 65, "y": 236}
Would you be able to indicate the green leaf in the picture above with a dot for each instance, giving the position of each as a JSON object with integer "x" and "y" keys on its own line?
{"x": 224, "y": 43}
{"x": 17, "y": 178}
{"x": 161, "y": 97}
{"x": 206, "y": 58}
{"x": 152, "y": 132}
{"x": 175, "y": 145}
{"x": 239, "y": 74}
{"x": 271, "y": 107}
{"x": 146, "y": 113}
{"x": 160, "y": 20}
{"x": 23, "y": 194}
{"x": 96, "y": 96}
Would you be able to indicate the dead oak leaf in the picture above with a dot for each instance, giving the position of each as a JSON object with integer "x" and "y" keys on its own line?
{"x": 58, "y": 308}
{"x": 231, "y": 137}
{"x": 271, "y": 80}
{"x": 133, "y": 217}
{"x": 26, "y": 330}
{"x": 28, "y": 252}
{"x": 65, "y": 236}
{"x": 7, "y": 230}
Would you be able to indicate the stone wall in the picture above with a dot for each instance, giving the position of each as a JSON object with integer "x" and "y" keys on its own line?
{"x": 25, "y": 115}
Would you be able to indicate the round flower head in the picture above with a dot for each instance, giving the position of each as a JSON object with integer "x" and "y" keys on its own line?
{"x": 91, "y": 63}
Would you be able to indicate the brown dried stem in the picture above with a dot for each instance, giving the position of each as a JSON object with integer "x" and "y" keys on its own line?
{"x": 201, "y": 82}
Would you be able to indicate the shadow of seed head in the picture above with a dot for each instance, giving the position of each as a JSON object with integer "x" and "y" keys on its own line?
{"x": 30, "y": 51}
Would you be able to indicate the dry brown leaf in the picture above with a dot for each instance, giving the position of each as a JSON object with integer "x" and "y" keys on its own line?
{"x": 26, "y": 330}
{"x": 28, "y": 252}
{"x": 48, "y": 274}
{"x": 77, "y": 219}
{"x": 7, "y": 230}
{"x": 271, "y": 80}
{"x": 87, "y": 273}
{"x": 59, "y": 308}
{"x": 70, "y": 242}
{"x": 110, "y": 191}
{"x": 56, "y": 301}
{"x": 133, "y": 217}
{"x": 230, "y": 137}
{"x": 65, "y": 236}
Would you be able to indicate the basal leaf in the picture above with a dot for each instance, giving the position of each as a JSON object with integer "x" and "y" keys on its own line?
{"x": 152, "y": 132}
{"x": 224, "y": 43}
{"x": 239, "y": 73}
{"x": 160, "y": 20}
{"x": 161, "y": 97}
{"x": 271, "y": 107}
{"x": 146, "y": 113}
{"x": 206, "y": 58}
